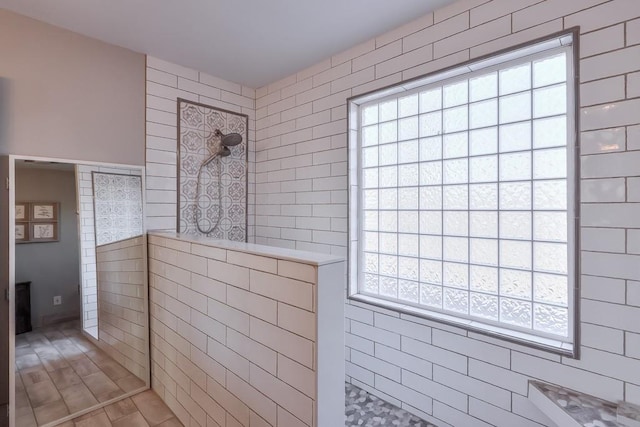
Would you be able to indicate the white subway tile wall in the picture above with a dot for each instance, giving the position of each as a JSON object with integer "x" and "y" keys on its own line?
{"x": 166, "y": 82}
{"x": 446, "y": 374}
{"x": 234, "y": 345}
{"x": 123, "y": 316}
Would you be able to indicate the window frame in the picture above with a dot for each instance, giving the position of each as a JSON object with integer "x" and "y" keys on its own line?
{"x": 567, "y": 41}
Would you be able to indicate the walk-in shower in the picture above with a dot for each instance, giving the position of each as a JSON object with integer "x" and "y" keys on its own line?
{"x": 212, "y": 171}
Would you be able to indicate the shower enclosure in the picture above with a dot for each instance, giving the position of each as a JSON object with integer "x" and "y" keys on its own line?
{"x": 212, "y": 171}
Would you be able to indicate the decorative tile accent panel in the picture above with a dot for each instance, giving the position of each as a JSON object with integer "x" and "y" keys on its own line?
{"x": 122, "y": 301}
{"x": 118, "y": 206}
{"x": 245, "y": 334}
{"x": 220, "y": 204}
{"x": 84, "y": 182}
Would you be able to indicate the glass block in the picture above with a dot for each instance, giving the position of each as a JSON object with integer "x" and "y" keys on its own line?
{"x": 455, "y": 145}
{"x": 371, "y": 284}
{"x": 550, "y": 163}
{"x": 550, "y": 319}
{"x": 370, "y": 157}
{"x": 408, "y": 245}
{"x": 550, "y": 226}
{"x": 431, "y": 247}
{"x": 408, "y": 268}
{"x": 431, "y": 100}
{"x": 408, "y": 105}
{"x": 370, "y": 178}
{"x": 550, "y": 257}
{"x": 370, "y": 199}
{"x": 370, "y": 135}
{"x": 387, "y": 132}
{"x": 370, "y": 262}
{"x": 371, "y": 241}
{"x": 515, "y": 108}
{"x": 515, "y": 312}
{"x": 431, "y": 295}
{"x": 515, "y": 79}
{"x": 483, "y": 87}
{"x": 550, "y": 288}
{"x": 408, "y": 221}
{"x": 515, "y": 225}
{"x": 455, "y": 119}
{"x": 389, "y": 287}
{"x": 388, "y": 154}
{"x": 483, "y": 141}
{"x": 456, "y": 171}
{"x": 408, "y": 128}
{"x": 483, "y": 196}
{"x": 430, "y": 198}
{"x": 389, "y": 265}
{"x": 485, "y": 306}
{"x": 483, "y": 169}
{"x": 515, "y": 283}
{"x": 431, "y": 148}
{"x": 515, "y": 166}
{"x": 551, "y": 195}
{"x": 388, "y": 221}
{"x": 408, "y": 152}
{"x": 550, "y": 132}
{"x": 551, "y": 70}
{"x": 430, "y": 173}
{"x": 408, "y": 198}
{"x": 389, "y": 198}
{"x": 408, "y": 175}
{"x": 455, "y": 94}
{"x": 371, "y": 220}
{"x": 370, "y": 115}
{"x": 409, "y": 291}
{"x": 389, "y": 176}
{"x": 389, "y": 243}
{"x": 515, "y": 196}
{"x": 431, "y": 222}
{"x": 550, "y": 101}
{"x": 484, "y": 252}
{"x": 455, "y": 275}
{"x": 430, "y": 124}
{"x": 455, "y": 249}
{"x": 515, "y": 137}
{"x": 431, "y": 272}
{"x": 388, "y": 110}
{"x": 456, "y": 223}
{"x": 484, "y": 279}
{"x": 483, "y": 224}
{"x": 456, "y": 300}
{"x": 455, "y": 197}
{"x": 515, "y": 254}
{"x": 483, "y": 114}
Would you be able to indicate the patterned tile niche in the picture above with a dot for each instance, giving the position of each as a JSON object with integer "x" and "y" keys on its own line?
{"x": 197, "y": 125}
{"x": 117, "y": 207}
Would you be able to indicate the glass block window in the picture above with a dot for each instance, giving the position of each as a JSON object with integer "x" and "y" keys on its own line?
{"x": 463, "y": 191}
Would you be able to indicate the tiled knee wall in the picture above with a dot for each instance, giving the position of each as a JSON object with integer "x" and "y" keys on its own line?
{"x": 123, "y": 318}
{"x": 447, "y": 375}
{"x": 234, "y": 339}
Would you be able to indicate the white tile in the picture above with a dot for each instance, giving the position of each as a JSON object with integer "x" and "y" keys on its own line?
{"x": 287, "y": 343}
{"x": 603, "y": 15}
{"x": 610, "y": 64}
{"x": 603, "y": 141}
{"x": 403, "y": 31}
{"x": 633, "y": 85}
{"x": 380, "y": 367}
{"x": 602, "y": 338}
{"x": 212, "y": 368}
{"x": 298, "y": 321}
{"x": 389, "y": 339}
{"x": 547, "y": 11}
{"x": 209, "y": 287}
{"x": 633, "y": 293}
{"x": 439, "y": 31}
{"x": 403, "y": 360}
{"x": 602, "y": 91}
{"x": 228, "y": 358}
{"x": 609, "y": 364}
{"x": 601, "y": 41}
{"x": 633, "y": 32}
{"x": 252, "y": 351}
{"x": 472, "y": 348}
{"x": 443, "y": 393}
{"x": 255, "y": 305}
{"x": 299, "y": 294}
{"x": 228, "y": 316}
{"x": 456, "y": 8}
{"x": 493, "y": 9}
{"x": 633, "y": 242}
{"x": 286, "y": 419}
{"x": 435, "y": 355}
{"x": 482, "y": 33}
{"x": 603, "y": 289}
{"x": 379, "y": 55}
{"x": 603, "y": 240}
{"x": 192, "y": 299}
{"x": 404, "y": 393}
{"x": 611, "y": 265}
{"x": 614, "y": 114}
{"x": 496, "y": 416}
{"x": 253, "y": 398}
{"x": 399, "y": 63}
{"x": 297, "y": 376}
{"x": 503, "y": 378}
{"x": 227, "y": 273}
{"x": 361, "y": 344}
{"x": 168, "y": 67}
{"x": 359, "y": 373}
{"x": 209, "y": 326}
{"x": 231, "y": 403}
{"x": 610, "y": 165}
{"x": 517, "y": 38}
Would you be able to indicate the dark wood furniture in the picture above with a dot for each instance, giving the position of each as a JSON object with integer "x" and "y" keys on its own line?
{"x": 23, "y": 307}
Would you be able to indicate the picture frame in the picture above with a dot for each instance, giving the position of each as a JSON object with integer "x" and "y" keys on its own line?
{"x": 44, "y": 211}
{"x": 22, "y": 210}
{"x": 22, "y": 232}
{"x": 44, "y": 232}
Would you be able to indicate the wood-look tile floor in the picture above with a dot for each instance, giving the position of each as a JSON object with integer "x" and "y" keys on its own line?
{"x": 59, "y": 372}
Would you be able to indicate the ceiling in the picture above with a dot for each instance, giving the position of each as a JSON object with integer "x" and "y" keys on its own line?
{"x": 252, "y": 42}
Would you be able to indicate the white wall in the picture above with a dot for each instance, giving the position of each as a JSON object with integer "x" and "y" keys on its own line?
{"x": 447, "y": 375}
{"x": 165, "y": 83}
{"x": 52, "y": 268}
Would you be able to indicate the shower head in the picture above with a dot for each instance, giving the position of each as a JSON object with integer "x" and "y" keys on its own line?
{"x": 223, "y": 152}
{"x": 230, "y": 139}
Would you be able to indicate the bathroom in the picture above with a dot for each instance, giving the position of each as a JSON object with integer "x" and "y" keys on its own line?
{"x": 296, "y": 166}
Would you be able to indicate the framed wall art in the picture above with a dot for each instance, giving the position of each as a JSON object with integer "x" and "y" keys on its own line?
{"x": 37, "y": 222}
